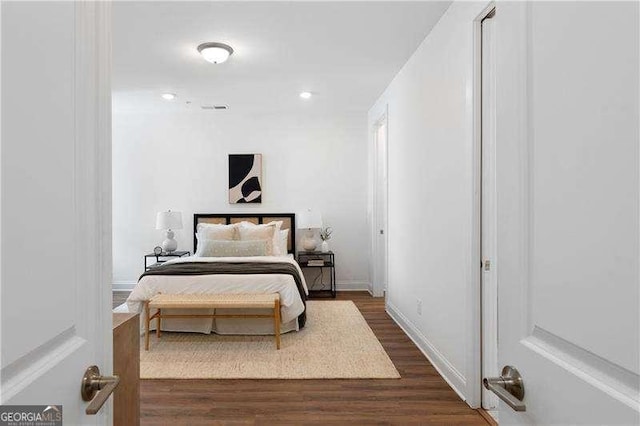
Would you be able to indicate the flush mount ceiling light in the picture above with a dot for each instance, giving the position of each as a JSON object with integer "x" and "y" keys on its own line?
{"x": 216, "y": 53}
{"x": 169, "y": 96}
{"x": 306, "y": 95}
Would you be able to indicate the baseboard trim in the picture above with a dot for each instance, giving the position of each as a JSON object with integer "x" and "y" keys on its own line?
{"x": 352, "y": 286}
{"x": 448, "y": 372}
{"x": 123, "y": 285}
{"x": 340, "y": 286}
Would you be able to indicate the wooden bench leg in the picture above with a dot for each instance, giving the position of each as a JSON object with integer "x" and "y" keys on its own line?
{"x": 276, "y": 321}
{"x": 158, "y": 324}
{"x": 147, "y": 322}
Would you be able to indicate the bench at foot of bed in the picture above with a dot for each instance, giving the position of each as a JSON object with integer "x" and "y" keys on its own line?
{"x": 212, "y": 301}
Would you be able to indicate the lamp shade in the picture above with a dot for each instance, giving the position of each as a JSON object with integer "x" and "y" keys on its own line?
{"x": 169, "y": 220}
{"x": 309, "y": 219}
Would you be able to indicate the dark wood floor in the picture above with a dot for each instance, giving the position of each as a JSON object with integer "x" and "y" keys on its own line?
{"x": 420, "y": 397}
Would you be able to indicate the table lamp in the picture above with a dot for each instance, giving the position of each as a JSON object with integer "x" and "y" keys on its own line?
{"x": 168, "y": 221}
{"x": 309, "y": 220}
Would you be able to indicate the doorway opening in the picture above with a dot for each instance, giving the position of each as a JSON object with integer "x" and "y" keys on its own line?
{"x": 380, "y": 206}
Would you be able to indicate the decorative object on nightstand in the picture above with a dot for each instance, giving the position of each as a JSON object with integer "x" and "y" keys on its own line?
{"x": 161, "y": 257}
{"x": 320, "y": 261}
{"x": 309, "y": 220}
{"x": 325, "y": 236}
{"x": 168, "y": 221}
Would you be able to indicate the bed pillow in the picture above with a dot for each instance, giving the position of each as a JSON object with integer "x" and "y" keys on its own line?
{"x": 275, "y": 244}
{"x": 225, "y": 248}
{"x": 211, "y": 231}
{"x": 284, "y": 242}
{"x": 260, "y": 233}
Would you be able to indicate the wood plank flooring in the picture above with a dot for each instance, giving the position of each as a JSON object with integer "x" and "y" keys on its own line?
{"x": 420, "y": 397}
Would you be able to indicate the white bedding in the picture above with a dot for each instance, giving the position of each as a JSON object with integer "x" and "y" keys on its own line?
{"x": 290, "y": 300}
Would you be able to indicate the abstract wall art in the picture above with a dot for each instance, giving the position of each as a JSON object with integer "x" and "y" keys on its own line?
{"x": 245, "y": 178}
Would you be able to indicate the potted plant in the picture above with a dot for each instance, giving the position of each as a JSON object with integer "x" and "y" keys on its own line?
{"x": 325, "y": 235}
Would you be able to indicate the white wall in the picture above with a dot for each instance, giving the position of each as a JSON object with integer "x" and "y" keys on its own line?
{"x": 178, "y": 161}
{"x": 431, "y": 194}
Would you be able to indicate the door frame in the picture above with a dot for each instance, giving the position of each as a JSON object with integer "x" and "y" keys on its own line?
{"x": 377, "y": 288}
{"x": 474, "y": 328}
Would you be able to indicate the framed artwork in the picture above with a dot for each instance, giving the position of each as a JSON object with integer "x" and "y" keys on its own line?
{"x": 245, "y": 178}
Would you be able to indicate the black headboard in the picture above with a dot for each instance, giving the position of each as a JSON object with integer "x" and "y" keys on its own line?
{"x": 288, "y": 222}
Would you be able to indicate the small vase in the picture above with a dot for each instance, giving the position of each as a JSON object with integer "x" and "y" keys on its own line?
{"x": 324, "y": 246}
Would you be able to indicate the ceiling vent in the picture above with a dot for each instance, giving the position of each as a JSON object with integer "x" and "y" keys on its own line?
{"x": 215, "y": 107}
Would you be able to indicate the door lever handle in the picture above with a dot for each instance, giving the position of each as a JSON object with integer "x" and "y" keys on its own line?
{"x": 509, "y": 387}
{"x": 92, "y": 383}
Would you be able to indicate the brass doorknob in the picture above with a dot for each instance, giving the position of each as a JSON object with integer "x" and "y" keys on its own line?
{"x": 92, "y": 383}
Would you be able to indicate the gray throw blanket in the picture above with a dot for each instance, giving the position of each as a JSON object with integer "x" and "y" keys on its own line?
{"x": 226, "y": 268}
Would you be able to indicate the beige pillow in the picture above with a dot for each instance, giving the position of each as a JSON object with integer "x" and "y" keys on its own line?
{"x": 283, "y": 242}
{"x": 217, "y": 248}
{"x": 258, "y": 232}
{"x": 277, "y": 251}
{"x": 211, "y": 231}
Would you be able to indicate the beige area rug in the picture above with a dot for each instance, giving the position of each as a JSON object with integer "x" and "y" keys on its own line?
{"x": 336, "y": 343}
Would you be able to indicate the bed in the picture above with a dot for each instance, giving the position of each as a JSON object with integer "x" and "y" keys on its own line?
{"x": 217, "y": 275}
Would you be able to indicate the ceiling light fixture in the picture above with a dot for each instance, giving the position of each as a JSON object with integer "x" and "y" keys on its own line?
{"x": 169, "y": 96}
{"x": 216, "y": 53}
{"x": 306, "y": 95}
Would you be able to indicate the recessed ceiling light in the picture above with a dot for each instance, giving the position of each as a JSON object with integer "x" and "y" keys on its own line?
{"x": 169, "y": 96}
{"x": 216, "y": 53}
{"x": 306, "y": 95}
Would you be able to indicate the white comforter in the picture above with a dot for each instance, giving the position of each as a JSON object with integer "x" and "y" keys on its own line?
{"x": 290, "y": 300}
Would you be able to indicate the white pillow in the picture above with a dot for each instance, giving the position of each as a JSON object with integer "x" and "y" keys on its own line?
{"x": 275, "y": 244}
{"x": 212, "y": 231}
{"x": 225, "y": 248}
{"x": 260, "y": 232}
{"x": 284, "y": 242}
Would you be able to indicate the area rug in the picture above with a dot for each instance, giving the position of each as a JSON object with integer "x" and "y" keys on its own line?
{"x": 337, "y": 343}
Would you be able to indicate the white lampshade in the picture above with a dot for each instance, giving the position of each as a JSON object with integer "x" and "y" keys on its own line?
{"x": 169, "y": 220}
{"x": 309, "y": 219}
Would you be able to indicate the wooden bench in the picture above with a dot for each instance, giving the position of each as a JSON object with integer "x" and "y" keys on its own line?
{"x": 212, "y": 301}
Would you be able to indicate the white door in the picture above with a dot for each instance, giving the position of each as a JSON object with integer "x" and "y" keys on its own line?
{"x": 488, "y": 214}
{"x": 381, "y": 207}
{"x": 55, "y": 203}
{"x": 568, "y": 213}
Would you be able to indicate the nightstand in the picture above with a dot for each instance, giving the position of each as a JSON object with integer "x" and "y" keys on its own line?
{"x": 323, "y": 262}
{"x": 161, "y": 258}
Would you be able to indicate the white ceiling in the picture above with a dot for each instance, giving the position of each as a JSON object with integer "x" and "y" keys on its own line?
{"x": 346, "y": 53}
